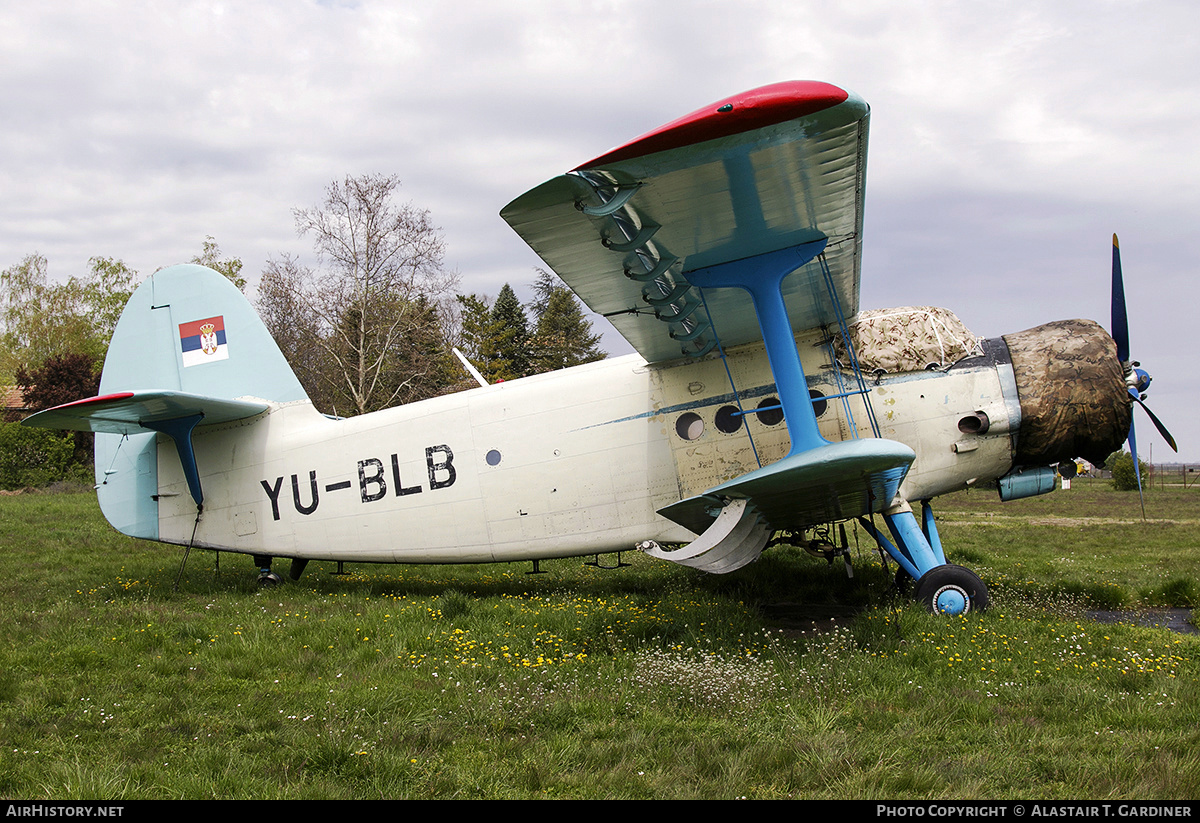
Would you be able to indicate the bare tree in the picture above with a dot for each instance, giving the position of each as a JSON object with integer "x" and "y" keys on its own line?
{"x": 370, "y": 305}
{"x": 284, "y": 309}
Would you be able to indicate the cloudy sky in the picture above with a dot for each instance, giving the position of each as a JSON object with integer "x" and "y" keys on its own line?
{"x": 1009, "y": 140}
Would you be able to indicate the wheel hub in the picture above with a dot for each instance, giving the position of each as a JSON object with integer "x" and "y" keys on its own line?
{"x": 951, "y": 600}
{"x": 952, "y": 590}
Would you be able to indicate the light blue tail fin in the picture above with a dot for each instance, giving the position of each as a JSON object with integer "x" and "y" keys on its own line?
{"x": 188, "y": 329}
{"x": 187, "y": 346}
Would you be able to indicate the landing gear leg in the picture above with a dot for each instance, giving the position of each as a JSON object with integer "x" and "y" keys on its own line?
{"x": 943, "y": 588}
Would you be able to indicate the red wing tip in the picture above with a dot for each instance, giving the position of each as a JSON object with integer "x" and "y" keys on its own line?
{"x": 91, "y": 401}
{"x": 754, "y": 109}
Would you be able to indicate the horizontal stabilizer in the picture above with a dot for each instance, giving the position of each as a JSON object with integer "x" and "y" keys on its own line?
{"x": 822, "y": 485}
{"x": 130, "y": 412}
{"x": 172, "y": 413}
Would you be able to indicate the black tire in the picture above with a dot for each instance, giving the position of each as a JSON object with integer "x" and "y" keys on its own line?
{"x": 947, "y": 589}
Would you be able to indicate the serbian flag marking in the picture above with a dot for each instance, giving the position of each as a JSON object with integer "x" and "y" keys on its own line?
{"x": 203, "y": 341}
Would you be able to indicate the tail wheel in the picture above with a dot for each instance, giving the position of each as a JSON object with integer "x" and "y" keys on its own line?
{"x": 952, "y": 590}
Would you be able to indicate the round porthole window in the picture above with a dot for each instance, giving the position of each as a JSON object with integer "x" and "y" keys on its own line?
{"x": 493, "y": 458}
{"x": 728, "y": 420}
{"x": 689, "y": 426}
{"x": 819, "y": 403}
{"x": 770, "y": 412}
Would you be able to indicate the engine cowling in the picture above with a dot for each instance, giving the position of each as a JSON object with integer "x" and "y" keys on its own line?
{"x": 1074, "y": 399}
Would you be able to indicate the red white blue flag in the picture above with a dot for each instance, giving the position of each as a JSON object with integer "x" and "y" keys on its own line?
{"x": 203, "y": 341}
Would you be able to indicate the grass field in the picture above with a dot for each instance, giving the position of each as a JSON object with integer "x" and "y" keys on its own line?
{"x": 650, "y": 681}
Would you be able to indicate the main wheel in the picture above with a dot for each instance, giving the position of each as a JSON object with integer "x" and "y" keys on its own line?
{"x": 267, "y": 579}
{"x": 952, "y": 590}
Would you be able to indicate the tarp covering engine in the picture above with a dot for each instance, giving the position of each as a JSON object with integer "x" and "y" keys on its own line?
{"x": 905, "y": 339}
{"x": 1074, "y": 401}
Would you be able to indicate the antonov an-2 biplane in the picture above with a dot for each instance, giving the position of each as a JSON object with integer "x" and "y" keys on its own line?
{"x": 725, "y": 247}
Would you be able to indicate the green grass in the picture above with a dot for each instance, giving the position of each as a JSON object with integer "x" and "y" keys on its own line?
{"x": 651, "y": 681}
{"x": 1089, "y": 541}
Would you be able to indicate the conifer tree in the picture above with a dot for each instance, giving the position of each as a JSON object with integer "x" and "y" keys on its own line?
{"x": 475, "y": 323}
{"x": 507, "y": 355}
{"x": 563, "y": 336}
{"x": 497, "y": 339}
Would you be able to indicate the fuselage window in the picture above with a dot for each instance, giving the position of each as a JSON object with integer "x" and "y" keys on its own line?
{"x": 689, "y": 426}
{"x": 820, "y": 404}
{"x": 728, "y": 419}
{"x": 770, "y": 412}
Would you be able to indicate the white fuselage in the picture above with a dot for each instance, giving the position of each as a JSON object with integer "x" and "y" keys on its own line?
{"x": 567, "y": 463}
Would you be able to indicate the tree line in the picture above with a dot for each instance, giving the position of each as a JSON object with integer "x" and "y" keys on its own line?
{"x": 370, "y": 322}
{"x": 374, "y": 321}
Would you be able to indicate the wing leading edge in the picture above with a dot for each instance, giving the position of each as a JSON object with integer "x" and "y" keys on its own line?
{"x": 769, "y": 169}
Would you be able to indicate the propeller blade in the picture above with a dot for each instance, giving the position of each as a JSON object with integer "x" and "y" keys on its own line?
{"x": 1139, "y": 378}
{"x": 1137, "y": 467}
{"x": 1166, "y": 435}
{"x": 1120, "y": 320}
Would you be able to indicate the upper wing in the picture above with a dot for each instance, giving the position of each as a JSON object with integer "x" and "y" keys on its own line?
{"x": 765, "y": 170}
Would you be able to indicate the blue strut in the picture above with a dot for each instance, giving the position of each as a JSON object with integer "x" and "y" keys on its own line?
{"x": 180, "y": 430}
{"x": 762, "y": 276}
{"x": 917, "y": 549}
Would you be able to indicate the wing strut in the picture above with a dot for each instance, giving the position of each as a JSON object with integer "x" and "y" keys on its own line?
{"x": 852, "y": 356}
{"x": 817, "y": 481}
{"x": 762, "y": 276}
{"x": 737, "y": 395}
